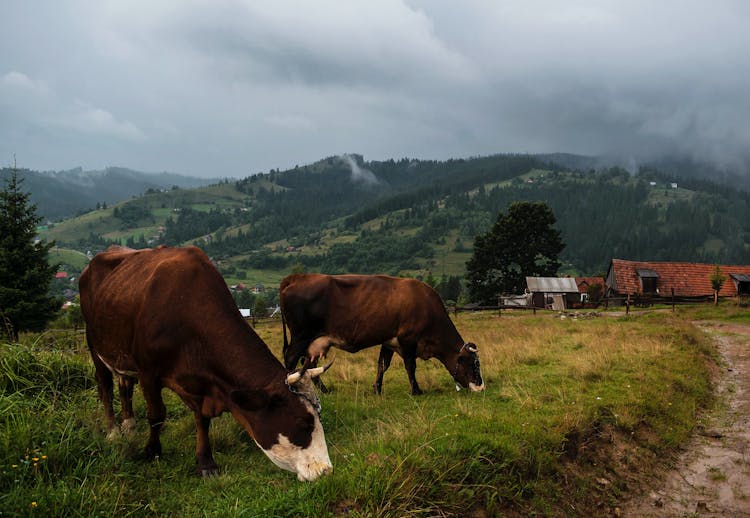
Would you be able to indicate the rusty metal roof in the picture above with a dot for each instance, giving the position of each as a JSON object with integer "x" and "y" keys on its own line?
{"x": 551, "y": 285}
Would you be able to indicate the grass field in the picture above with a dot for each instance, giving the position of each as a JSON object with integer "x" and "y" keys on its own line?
{"x": 537, "y": 441}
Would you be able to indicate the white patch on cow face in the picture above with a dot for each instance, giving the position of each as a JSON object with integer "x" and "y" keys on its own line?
{"x": 308, "y": 463}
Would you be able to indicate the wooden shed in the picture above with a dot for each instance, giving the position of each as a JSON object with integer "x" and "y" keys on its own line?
{"x": 556, "y": 293}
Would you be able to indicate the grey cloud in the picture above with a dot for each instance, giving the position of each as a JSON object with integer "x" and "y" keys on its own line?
{"x": 233, "y": 87}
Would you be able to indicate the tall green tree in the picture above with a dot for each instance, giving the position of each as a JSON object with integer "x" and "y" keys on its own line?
{"x": 25, "y": 273}
{"x": 523, "y": 242}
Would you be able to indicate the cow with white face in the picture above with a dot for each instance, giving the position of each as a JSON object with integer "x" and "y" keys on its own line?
{"x": 165, "y": 318}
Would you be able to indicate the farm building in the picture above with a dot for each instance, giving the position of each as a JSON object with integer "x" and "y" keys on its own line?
{"x": 586, "y": 283}
{"x": 687, "y": 279}
{"x": 556, "y": 293}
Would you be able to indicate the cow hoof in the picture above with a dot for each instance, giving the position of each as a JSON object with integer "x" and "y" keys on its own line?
{"x": 417, "y": 392}
{"x": 153, "y": 451}
{"x": 208, "y": 472}
{"x": 128, "y": 426}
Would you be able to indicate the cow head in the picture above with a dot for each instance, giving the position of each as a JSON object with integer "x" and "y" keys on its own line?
{"x": 284, "y": 421}
{"x": 467, "y": 372}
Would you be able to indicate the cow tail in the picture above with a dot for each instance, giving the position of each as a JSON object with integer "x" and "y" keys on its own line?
{"x": 285, "y": 348}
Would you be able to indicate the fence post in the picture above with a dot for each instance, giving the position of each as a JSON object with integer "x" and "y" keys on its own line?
{"x": 499, "y": 305}
{"x": 672, "y": 299}
{"x": 627, "y": 305}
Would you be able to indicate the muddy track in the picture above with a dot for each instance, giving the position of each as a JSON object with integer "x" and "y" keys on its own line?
{"x": 712, "y": 477}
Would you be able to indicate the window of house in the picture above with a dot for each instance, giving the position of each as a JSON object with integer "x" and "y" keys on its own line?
{"x": 742, "y": 281}
{"x": 649, "y": 279}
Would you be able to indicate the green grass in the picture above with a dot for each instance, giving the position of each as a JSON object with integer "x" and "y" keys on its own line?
{"x": 553, "y": 386}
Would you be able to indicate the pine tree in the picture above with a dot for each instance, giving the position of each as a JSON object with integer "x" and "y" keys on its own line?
{"x": 522, "y": 243}
{"x": 25, "y": 274}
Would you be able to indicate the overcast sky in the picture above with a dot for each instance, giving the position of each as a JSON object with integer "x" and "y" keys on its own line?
{"x": 232, "y": 88}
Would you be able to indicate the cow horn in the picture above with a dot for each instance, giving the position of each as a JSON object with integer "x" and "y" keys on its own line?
{"x": 294, "y": 377}
{"x": 471, "y": 348}
{"x": 317, "y": 371}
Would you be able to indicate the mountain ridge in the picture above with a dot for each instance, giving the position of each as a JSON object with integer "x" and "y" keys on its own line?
{"x": 423, "y": 217}
{"x": 61, "y": 194}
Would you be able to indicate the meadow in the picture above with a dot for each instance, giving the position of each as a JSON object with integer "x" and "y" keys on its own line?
{"x": 575, "y": 409}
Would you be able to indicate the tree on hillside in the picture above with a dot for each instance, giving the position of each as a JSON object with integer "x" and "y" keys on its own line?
{"x": 25, "y": 273}
{"x": 522, "y": 243}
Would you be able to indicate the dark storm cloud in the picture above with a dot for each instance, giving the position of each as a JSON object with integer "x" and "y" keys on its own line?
{"x": 233, "y": 87}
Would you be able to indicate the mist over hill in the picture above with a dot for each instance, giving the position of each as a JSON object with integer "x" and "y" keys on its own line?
{"x": 61, "y": 194}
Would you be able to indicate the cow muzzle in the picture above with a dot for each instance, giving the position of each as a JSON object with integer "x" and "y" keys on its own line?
{"x": 476, "y": 388}
{"x": 314, "y": 471}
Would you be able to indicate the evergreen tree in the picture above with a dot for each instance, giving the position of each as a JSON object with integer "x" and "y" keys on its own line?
{"x": 25, "y": 274}
{"x": 522, "y": 243}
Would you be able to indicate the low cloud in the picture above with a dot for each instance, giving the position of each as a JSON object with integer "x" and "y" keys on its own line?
{"x": 22, "y": 82}
{"x": 97, "y": 121}
{"x": 359, "y": 174}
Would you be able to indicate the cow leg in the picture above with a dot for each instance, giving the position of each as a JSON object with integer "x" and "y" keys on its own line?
{"x": 204, "y": 459}
{"x": 410, "y": 363}
{"x": 156, "y": 412}
{"x": 384, "y": 361}
{"x": 105, "y": 387}
{"x": 294, "y": 354}
{"x": 126, "y": 384}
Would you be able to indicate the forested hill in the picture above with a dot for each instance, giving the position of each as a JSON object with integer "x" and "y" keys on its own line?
{"x": 61, "y": 194}
{"x": 343, "y": 214}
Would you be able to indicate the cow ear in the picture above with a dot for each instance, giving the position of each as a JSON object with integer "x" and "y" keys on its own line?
{"x": 250, "y": 400}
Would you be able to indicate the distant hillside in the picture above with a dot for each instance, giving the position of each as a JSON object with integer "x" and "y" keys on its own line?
{"x": 417, "y": 217}
{"x": 736, "y": 175}
{"x": 63, "y": 194}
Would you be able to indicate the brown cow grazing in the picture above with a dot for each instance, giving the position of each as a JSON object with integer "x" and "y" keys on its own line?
{"x": 353, "y": 312}
{"x": 166, "y": 317}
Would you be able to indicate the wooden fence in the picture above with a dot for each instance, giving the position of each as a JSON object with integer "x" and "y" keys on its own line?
{"x": 627, "y": 302}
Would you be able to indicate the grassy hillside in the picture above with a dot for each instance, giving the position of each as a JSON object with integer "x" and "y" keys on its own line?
{"x": 63, "y": 194}
{"x": 68, "y": 257}
{"x": 154, "y": 210}
{"x": 562, "y": 396}
{"x": 421, "y": 217}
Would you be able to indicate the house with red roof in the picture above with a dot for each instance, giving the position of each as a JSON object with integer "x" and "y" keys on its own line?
{"x": 686, "y": 279}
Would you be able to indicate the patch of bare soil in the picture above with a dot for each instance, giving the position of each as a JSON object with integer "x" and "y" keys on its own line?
{"x": 711, "y": 478}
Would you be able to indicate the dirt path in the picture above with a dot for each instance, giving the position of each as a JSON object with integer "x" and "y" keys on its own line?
{"x": 712, "y": 477}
